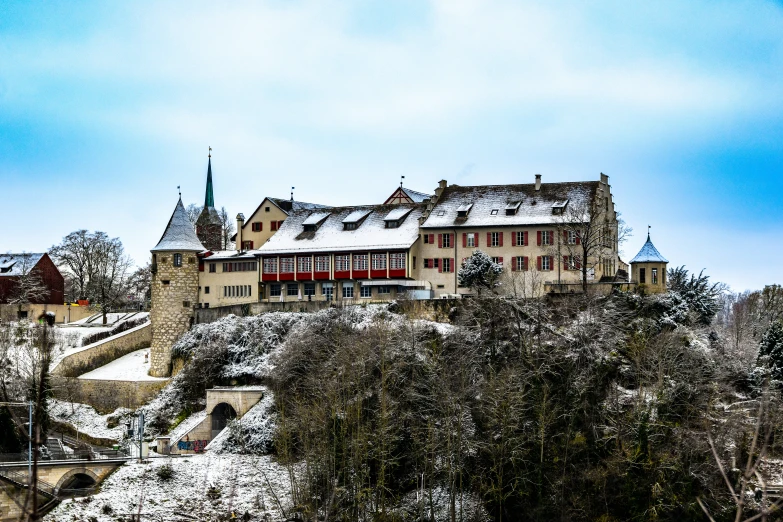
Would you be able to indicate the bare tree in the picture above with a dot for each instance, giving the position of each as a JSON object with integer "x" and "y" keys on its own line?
{"x": 109, "y": 285}
{"x": 590, "y": 233}
{"x": 139, "y": 284}
{"x": 227, "y": 229}
{"x": 193, "y": 211}
{"x": 74, "y": 256}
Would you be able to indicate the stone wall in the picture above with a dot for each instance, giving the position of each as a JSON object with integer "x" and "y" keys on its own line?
{"x": 106, "y": 396}
{"x": 61, "y": 312}
{"x": 209, "y": 315}
{"x": 9, "y": 497}
{"x": 174, "y": 297}
{"x": 104, "y": 351}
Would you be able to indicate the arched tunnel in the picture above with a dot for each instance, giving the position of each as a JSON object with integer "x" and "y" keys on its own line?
{"x": 221, "y": 414}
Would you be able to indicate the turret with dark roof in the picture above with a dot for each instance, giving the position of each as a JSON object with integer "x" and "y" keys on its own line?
{"x": 179, "y": 233}
{"x": 649, "y": 254}
{"x": 648, "y": 268}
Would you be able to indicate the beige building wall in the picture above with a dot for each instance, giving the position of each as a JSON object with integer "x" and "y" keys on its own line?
{"x": 224, "y": 288}
{"x": 266, "y": 214}
{"x": 654, "y": 279}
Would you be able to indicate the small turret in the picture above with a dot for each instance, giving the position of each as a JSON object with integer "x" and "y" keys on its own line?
{"x": 648, "y": 268}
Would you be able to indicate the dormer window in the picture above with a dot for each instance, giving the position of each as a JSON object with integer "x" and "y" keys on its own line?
{"x": 353, "y": 220}
{"x": 512, "y": 208}
{"x": 558, "y": 207}
{"x": 464, "y": 209}
{"x": 314, "y": 221}
{"x": 493, "y": 212}
{"x": 395, "y": 218}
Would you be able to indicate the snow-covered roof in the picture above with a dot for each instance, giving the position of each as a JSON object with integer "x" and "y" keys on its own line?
{"x": 416, "y": 197}
{"x": 315, "y": 218}
{"x": 486, "y": 201}
{"x": 232, "y": 255}
{"x": 288, "y": 205}
{"x": 179, "y": 234}
{"x": 649, "y": 254}
{"x": 397, "y": 214}
{"x": 17, "y": 264}
{"x": 357, "y": 215}
{"x": 331, "y": 236}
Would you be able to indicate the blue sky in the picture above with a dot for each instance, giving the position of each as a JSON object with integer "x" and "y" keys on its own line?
{"x": 105, "y": 107}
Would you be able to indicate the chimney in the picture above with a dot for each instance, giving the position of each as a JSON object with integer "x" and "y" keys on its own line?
{"x": 538, "y": 182}
{"x": 604, "y": 179}
{"x": 240, "y": 224}
{"x": 442, "y": 184}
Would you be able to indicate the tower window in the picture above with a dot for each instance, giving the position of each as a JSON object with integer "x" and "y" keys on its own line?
{"x": 206, "y": 289}
{"x": 186, "y": 304}
{"x": 642, "y": 275}
{"x": 165, "y": 282}
{"x": 654, "y": 276}
{"x": 177, "y": 259}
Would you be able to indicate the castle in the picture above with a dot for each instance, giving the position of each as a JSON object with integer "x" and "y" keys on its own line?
{"x": 548, "y": 237}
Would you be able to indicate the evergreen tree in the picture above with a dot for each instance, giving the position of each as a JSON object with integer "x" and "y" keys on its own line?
{"x": 479, "y": 272}
{"x": 771, "y": 350}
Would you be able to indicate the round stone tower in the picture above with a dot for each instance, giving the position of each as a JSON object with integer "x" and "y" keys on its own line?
{"x": 174, "y": 288}
{"x": 648, "y": 268}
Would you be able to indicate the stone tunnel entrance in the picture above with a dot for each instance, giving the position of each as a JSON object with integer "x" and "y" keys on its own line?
{"x": 77, "y": 484}
{"x": 222, "y": 413}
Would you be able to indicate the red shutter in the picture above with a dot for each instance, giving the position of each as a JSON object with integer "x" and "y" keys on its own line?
{"x": 578, "y": 239}
{"x": 432, "y": 239}
{"x": 565, "y": 262}
{"x": 578, "y": 263}
{"x": 464, "y": 240}
{"x": 440, "y": 240}
{"x": 513, "y": 239}
{"x": 539, "y": 238}
{"x": 538, "y": 260}
{"x": 500, "y": 237}
{"x": 260, "y": 226}
{"x": 489, "y": 239}
{"x": 452, "y": 264}
{"x": 524, "y": 261}
{"x": 524, "y": 239}
{"x": 514, "y": 263}
{"x": 440, "y": 267}
{"x": 453, "y": 238}
{"x": 565, "y": 236}
{"x": 500, "y": 260}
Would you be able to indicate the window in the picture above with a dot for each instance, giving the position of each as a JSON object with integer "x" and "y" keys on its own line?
{"x": 347, "y": 291}
{"x": 206, "y": 305}
{"x": 544, "y": 237}
{"x": 349, "y": 226}
{"x": 493, "y": 212}
{"x": 448, "y": 265}
{"x": 360, "y": 261}
{"x": 304, "y": 264}
{"x": 321, "y": 263}
{"x": 274, "y": 290}
{"x": 392, "y": 224}
{"x": 286, "y": 265}
{"x": 428, "y": 263}
{"x": 379, "y": 261}
{"x": 247, "y": 245}
{"x": 429, "y": 239}
{"x": 446, "y": 240}
{"x": 470, "y": 240}
{"x": 342, "y": 263}
{"x": 185, "y": 304}
{"x": 257, "y": 226}
{"x": 383, "y": 290}
{"x": 266, "y": 209}
{"x": 642, "y": 276}
{"x": 494, "y": 238}
{"x": 571, "y": 237}
{"x": 571, "y": 263}
{"x": 365, "y": 291}
{"x": 654, "y": 276}
{"x": 177, "y": 259}
{"x": 165, "y": 282}
{"x": 397, "y": 261}
{"x": 292, "y": 289}
{"x": 309, "y": 289}
{"x": 546, "y": 263}
{"x": 212, "y": 268}
{"x": 206, "y": 289}
{"x": 520, "y": 239}
{"x": 270, "y": 265}
{"x": 327, "y": 289}
{"x": 273, "y": 225}
{"x": 519, "y": 263}
{"x": 498, "y": 260}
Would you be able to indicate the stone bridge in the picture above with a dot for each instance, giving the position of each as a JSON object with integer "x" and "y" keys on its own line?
{"x": 58, "y": 478}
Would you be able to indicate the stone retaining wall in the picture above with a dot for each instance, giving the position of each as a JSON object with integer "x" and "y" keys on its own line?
{"x": 106, "y": 396}
{"x": 103, "y": 352}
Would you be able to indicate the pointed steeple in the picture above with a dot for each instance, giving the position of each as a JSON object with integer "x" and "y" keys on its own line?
{"x": 179, "y": 234}
{"x": 209, "y": 198}
{"x": 648, "y": 253}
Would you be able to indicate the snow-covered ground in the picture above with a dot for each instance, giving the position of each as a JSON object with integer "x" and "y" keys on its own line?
{"x": 131, "y": 367}
{"x": 202, "y": 487}
{"x": 85, "y": 419}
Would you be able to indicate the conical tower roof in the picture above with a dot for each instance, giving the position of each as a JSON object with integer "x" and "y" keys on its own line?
{"x": 649, "y": 254}
{"x": 179, "y": 234}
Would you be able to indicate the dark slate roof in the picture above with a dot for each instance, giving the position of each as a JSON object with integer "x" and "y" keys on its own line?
{"x": 16, "y": 264}
{"x": 535, "y": 207}
{"x": 649, "y": 254}
{"x": 331, "y": 236}
{"x": 179, "y": 234}
{"x": 288, "y": 205}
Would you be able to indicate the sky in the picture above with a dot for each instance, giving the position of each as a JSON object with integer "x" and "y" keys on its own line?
{"x": 107, "y": 107}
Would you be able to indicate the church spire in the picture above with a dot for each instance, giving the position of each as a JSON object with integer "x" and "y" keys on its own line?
{"x": 209, "y": 198}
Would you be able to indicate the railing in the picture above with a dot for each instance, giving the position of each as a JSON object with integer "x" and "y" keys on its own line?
{"x": 80, "y": 454}
{"x": 23, "y": 479}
